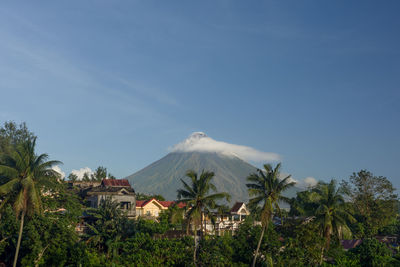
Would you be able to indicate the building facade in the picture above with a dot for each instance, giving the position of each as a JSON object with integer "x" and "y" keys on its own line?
{"x": 118, "y": 190}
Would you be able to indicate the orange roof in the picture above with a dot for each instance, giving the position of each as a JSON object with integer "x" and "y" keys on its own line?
{"x": 115, "y": 182}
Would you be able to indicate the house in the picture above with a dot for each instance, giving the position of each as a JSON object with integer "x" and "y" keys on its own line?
{"x": 239, "y": 211}
{"x": 149, "y": 208}
{"x": 228, "y": 221}
{"x": 118, "y": 190}
{"x": 153, "y": 207}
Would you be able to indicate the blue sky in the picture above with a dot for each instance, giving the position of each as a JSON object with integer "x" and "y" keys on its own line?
{"x": 116, "y": 83}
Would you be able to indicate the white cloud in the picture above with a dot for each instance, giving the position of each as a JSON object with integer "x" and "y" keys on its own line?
{"x": 310, "y": 181}
{"x": 291, "y": 179}
{"x": 81, "y": 172}
{"x": 58, "y": 169}
{"x": 200, "y": 142}
{"x": 302, "y": 183}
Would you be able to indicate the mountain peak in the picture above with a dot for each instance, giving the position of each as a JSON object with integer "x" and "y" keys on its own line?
{"x": 197, "y": 135}
{"x": 200, "y": 142}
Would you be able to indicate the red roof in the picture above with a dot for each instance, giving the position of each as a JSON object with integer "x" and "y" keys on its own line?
{"x": 166, "y": 204}
{"x": 141, "y": 203}
{"x": 115, "y": 182}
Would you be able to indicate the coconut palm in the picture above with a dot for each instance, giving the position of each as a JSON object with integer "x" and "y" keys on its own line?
{"x": 331, "y": 214}
{"x": 24, "y": 172}
{"x": 198, "y": 200}
{"x": 267, "y": 187}
{"x": 107, "y": 229}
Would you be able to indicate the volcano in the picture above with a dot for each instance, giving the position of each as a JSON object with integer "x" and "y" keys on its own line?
{"x": 198, "y": 152}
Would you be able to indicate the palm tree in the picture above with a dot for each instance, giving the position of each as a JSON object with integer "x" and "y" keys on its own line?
{"x": 331, "y": 214}
{"x": 198, "y": 200}
{"x": 107, "y": 229}
{"x": 24, "y": 172}
{"x": 267, "y": 188}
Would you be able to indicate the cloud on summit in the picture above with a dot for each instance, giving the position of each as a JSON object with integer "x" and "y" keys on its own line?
{"x": 200, "y": 142}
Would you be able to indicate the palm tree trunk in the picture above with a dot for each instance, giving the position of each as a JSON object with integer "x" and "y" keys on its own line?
{"x": 195, "y": 245}
{"x": 201, "y": 225}
{"x": 205, "y": 226}
{"x": 328, "y": 238}
{"x": 21, "y": 226}
{"x": 187, "y": 226}
{"x": 259, "y": 244}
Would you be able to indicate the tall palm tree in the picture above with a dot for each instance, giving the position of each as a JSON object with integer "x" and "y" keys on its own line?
{"x": 331, "y": 214}
{"x": 267, "y": 187}
{"x": 24, "y": 172}
{"x": 198, "y": 200}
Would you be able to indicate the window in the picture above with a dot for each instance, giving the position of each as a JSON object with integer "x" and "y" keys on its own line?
{"x": 125, "y": 205}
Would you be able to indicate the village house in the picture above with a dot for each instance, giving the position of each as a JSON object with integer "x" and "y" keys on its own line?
{"x": 118, "y": 190}
{"x": 152, "y": 208}
{"x": 228, "y": 221}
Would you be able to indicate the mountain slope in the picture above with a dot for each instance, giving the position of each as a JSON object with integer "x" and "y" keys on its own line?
{"x": 163, "y": 176}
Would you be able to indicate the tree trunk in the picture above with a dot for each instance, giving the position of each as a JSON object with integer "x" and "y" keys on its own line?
{"x": 205, "y": 226}
{"x": 328, "y": 238}
{"x": 259, "y": 244}
{"x": 21, "y": 226}
{"x": 195, "y": 245}
{"x": 187, "y": 226}
{"x": 40, "y": 256}
{"x": 201, "y": 225}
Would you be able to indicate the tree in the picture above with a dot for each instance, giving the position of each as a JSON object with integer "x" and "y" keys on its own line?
{"x": 198, "y": 199}
{"x": 267, "y": 188}
{"x": 332, "y": 216}
{"x": 99, "y": 174}
{"x": 24, "y": 171}
{"x": 371, "y": 252}
{"x": 12, "y": 134}
{"x": 374, "y": 200}
{"x": 142, "y": 196}
{"x": 108, "y": 228}
{"x": 72, "y": 177}
{"x": 86, "y": 177}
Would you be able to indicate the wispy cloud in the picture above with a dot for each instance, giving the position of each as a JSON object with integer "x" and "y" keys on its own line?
{"x": 202, "y": 143}
{"x": 150, "y": 92}
{"x": 28, "y": 61}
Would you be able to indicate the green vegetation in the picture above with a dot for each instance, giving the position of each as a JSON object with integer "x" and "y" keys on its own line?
{"x": 196, "y": 196}
{"x": 267, "y": 189}
{"x": 39, "y": 213}
{"x": 23, "y": 171}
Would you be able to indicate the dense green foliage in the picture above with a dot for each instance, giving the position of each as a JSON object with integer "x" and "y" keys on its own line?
{"x": 319, "y": 218}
